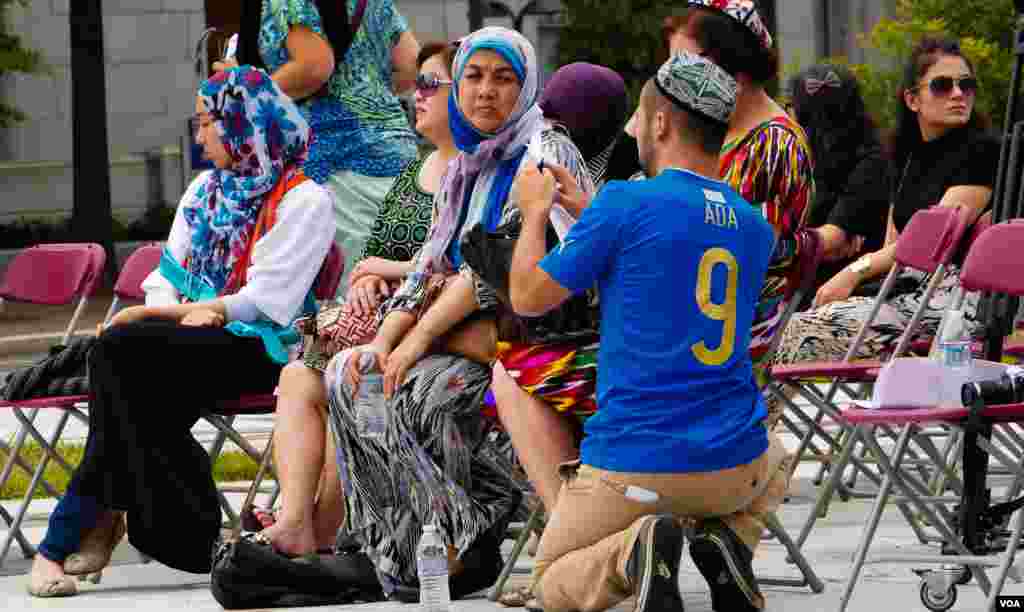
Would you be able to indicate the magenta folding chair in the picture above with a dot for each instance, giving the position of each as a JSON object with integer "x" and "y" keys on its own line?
{"x": 134, "y": 270}
{"x": 993, "y": 264}
{"x": 927, "y": 244}
{"x": 801, "y": 280}
{"x": 52, "y": 274}
{"x": 325, "y": 287}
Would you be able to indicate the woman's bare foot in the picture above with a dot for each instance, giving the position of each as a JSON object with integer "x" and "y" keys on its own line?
{"x": 49, "y": 580}
{"x": 290, "y": 537}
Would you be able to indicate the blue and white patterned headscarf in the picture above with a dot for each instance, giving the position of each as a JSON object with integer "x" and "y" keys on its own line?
{"x": 267, "y": 139}
{"x": 481, "y": 176}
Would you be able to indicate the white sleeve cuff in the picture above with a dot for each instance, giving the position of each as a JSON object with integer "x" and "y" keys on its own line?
{"x": 238, "y": 307}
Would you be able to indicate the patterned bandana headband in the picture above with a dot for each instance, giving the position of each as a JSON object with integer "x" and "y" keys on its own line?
{"x": 698, "y": 85}
{"x": 743, "y": 11}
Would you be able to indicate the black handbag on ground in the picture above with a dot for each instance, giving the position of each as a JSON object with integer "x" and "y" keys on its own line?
{"x": 489, "y": 254}
{"x": 247, "y": 574}
{"x": 61, "y": 373}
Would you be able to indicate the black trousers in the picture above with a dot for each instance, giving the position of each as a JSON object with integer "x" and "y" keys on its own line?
{"x": 149, "y": 384}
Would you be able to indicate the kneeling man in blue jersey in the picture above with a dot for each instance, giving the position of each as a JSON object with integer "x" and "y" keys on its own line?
{"x": 679, "y": 261}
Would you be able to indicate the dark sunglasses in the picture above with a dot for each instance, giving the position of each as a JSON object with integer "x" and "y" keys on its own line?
{"x": 943, "y": 85}
{"x": 427, "y": 83}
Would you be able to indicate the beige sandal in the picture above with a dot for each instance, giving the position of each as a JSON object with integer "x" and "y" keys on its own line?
{"x": 54, "y": 587}
{"x": 521, "y": 597}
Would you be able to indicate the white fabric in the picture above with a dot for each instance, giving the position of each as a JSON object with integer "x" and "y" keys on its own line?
{"x": 285, "y": 261}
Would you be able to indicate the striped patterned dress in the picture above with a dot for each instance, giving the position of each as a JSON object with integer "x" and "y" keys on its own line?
{"x": 435, "y": 465}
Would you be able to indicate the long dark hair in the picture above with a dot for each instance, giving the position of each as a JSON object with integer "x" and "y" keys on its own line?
{"x": 333, "y": 17}
{"x": 828, "y": 104}
{"x": 907, "y": 135}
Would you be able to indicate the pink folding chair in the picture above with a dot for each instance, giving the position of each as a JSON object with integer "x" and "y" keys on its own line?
{"x": 993, "y": 264}
{"x": 52, "y": 274}
{"x": 134, "y": 270}
{"x": 927, "y": 244}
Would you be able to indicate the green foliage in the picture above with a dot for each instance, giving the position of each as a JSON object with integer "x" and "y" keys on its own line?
{"x": 624, "y": 35}
{"x": 153, "y": 225}
{"x": 231, "y": 466}
{"x": 985, "y": 31}
{"x": 15, "y": 58}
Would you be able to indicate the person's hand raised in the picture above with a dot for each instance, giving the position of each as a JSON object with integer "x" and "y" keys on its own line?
{"x": 536, "y": 190}
{"x": 570, "y": 196}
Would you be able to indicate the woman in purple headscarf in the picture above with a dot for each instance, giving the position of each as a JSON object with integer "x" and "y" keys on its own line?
{"x": 589, "y": 102}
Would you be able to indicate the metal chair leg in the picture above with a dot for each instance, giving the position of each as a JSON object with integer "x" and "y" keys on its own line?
{"x": 531, "y": 524}
{"x": 810, "y": 579}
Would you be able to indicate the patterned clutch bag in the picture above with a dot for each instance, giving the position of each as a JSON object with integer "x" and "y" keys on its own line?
{"x": 333, "y": 330}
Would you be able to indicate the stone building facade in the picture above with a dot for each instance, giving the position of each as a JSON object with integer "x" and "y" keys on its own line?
{"x": 151, "y": 80}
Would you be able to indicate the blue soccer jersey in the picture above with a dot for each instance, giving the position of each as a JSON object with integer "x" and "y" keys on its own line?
{"x": 679, "y": 261}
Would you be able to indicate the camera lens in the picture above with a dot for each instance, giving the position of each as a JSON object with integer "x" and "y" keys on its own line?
{"x": 1006, "y": 390}
{"x": 970, "y": 393}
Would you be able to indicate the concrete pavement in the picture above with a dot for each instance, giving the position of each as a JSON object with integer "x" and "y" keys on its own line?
{"x": 26, "y": 332}
{"x": 131, "y": 585}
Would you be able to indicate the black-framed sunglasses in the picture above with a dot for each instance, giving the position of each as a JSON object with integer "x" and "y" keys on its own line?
{"x": 427, "y": 83}
{"x": 943, "y": 85}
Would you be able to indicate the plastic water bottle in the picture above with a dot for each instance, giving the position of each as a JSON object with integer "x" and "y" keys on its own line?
{"x": 371, "y": 407}
{"x": 955, "y": 356}
{"x": 432, "y": 568}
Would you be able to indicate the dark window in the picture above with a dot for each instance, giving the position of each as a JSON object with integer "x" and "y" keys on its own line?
{"x": 223, "y": 15}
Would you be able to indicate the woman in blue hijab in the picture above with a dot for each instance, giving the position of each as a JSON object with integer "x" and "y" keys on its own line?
{"x": 434, "y": 465}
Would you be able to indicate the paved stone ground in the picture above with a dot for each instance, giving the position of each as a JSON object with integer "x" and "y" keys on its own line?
{"x": 130, "y": 584}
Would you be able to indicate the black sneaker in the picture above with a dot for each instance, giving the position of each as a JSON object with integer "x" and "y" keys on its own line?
{"x": 725, "y": 562}
{"x": 653, "y": 566}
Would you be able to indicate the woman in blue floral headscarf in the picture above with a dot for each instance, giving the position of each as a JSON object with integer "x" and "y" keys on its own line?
{"x": 245, "y": 246}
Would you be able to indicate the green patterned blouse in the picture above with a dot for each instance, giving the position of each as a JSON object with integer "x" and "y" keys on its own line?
{"x": 404, "y": 218}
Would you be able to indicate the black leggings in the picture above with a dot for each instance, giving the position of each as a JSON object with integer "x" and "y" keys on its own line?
{"x": 149, "y": 383}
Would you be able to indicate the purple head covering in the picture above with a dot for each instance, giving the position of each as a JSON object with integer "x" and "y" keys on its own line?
{"x": 590, "y": 101}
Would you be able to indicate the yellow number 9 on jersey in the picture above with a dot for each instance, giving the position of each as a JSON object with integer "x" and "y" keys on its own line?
{"x": 724, "y": 312}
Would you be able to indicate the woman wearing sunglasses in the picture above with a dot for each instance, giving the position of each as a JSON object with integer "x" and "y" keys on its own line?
{"x": 311, "y": 513}
{"x": 941, "y": 155}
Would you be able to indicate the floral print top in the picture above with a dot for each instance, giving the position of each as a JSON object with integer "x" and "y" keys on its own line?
{"x": 360, "y": 124}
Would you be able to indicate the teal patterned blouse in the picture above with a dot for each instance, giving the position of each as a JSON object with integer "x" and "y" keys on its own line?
{"x": 360, "y": 125}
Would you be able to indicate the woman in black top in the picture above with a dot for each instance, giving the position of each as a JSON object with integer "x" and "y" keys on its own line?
{"x": 941, "y": 156}
{"x": 851, "y": 201}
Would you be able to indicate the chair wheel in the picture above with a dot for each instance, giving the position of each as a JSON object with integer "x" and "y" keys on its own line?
{"x": 937, "y": 601}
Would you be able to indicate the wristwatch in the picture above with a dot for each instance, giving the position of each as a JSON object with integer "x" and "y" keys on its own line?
{"x": 861, "y": 266}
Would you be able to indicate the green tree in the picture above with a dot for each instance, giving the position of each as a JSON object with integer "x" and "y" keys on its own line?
{"x": 985, "y": 29}
{"x": 14, "y": 58}
{"x": 624, "y": 35}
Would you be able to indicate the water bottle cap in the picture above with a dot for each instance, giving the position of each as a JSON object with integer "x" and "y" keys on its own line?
{"x": 367, "y": 362}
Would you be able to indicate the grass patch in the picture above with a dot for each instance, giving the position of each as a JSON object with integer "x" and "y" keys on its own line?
{"x": 231, "y": 466}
